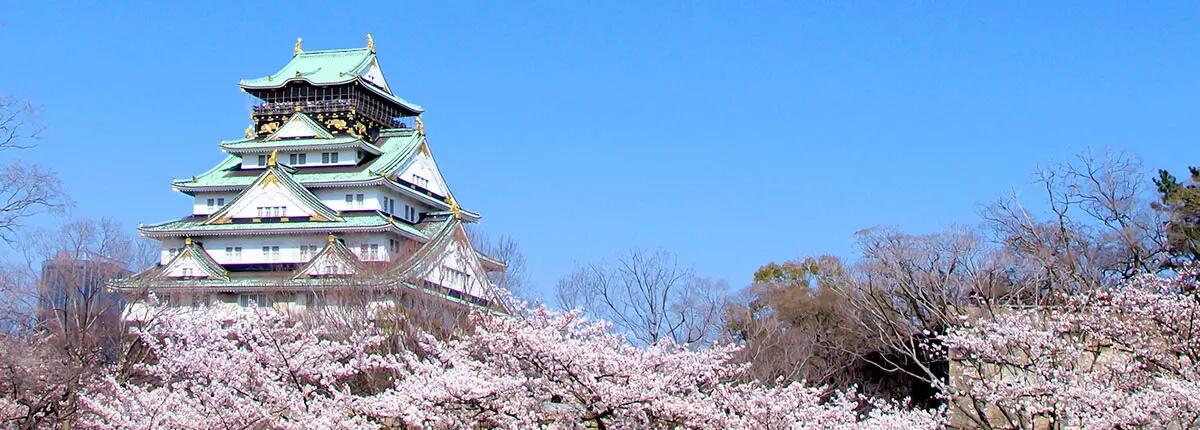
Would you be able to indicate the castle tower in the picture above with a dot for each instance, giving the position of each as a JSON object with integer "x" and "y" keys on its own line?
{"x": 333, "y": 186}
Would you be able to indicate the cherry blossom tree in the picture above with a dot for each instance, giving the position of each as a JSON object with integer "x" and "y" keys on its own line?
{"x": 264, "y": 370}
{"x": 535, "y": 369}
{"x": 1122, "y": 358}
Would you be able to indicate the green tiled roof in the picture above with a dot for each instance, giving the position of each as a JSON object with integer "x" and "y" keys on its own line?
{"x": 397, "y": 147}
{"x": 440, "y": 234}
{"x": 195, "y": 226}
{"x": 193, "y": 251}
{"x": 334, "y": 249}
{"x": 333, "y": 67}
{"x": 298, "y": 191}
{"x": 252, "y": 146}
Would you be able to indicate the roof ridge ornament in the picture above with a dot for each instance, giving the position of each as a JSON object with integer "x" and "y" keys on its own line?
{"x": 331, "y": 238}
{"x": 273, "y": 158}
{"x": 370, "y": 43}
{"x": 296, "y": 50}
{"x": 420, "y": 126}
{"x": 454, "y": 208}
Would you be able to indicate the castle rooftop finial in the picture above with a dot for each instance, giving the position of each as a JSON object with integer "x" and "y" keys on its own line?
{"x": 370, "y": 42}
{"x": 454, "y": 208}
{"x": 297, "y": 50}
{"x": 273, "y": 158}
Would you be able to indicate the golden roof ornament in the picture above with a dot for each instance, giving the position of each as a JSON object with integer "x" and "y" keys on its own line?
{"x": 370, "y": 42}
{"x": 454, "y": 208}
{"x": 272, "y": 159}
{"x": 297, "y": 50}
{"x": 331, "y": 238}
{"x": 187, "y": 241}
{"x": 420, "y": 126}
{"x": 250, "y": 131}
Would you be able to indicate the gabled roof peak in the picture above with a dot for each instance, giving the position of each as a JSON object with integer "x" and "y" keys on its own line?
{"x": 333, "y": 67}
{"x": 300, "y": 126}
{"x": 275, "y": 177}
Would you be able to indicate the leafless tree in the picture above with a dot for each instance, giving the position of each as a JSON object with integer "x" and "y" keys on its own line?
{"x": 25, "y": 189}
{"x": 1100, "y": 228}
{"x": 908, "y": 289}
{"x": 61, "y": 323}
{"x": 649, "y": 296}
{"x": 515, "y": 277}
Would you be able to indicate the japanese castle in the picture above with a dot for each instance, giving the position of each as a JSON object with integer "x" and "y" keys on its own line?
{"x": 333, "y": 187}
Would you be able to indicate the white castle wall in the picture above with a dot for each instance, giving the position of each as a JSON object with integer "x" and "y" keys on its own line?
{"x": 289, "y": 247}
{"x": 346, "y": 157}
{"x": 335, "y": 198}
{"x": 200, "y": 206}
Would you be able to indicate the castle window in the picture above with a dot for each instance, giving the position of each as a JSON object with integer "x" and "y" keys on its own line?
{"x": 262, "y": 160}
{"x": 211, "y": 203}
{"x": 303, "y": 158}
{"x": 270, "y": 253}
{"x": 259, "y": 300}
{"x": 420, "y": 181}
{"x": 374, "y": 254}
{"x": 329, "y": 157}
{"x": 292, "y": 159}
{"x": 221, "y": 202}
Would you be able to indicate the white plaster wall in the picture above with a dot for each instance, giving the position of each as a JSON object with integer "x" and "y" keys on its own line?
{"x": 200, "y": 206}
{"x": 270, "y": 195}
{"x": 346, "y": 157}
{"x": 178, "y": 270}
{"x": 462, "y": 258}
{"x": 335, "y": 198}
{"x": 289, "y": 246}
{"x": 423, "y": 166}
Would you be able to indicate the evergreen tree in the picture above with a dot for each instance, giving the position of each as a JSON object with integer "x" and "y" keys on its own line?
{"x": 1182, "y": 203}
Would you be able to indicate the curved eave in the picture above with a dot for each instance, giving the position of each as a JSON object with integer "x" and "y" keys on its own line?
{"x": 255, "y": 84}
{"x": 152, "y": 233}
{"x": 287, "y": 285}
{"x": 489, "y": 260}
{"x": 392, "y": 185}
{"x": 374, "y": 150}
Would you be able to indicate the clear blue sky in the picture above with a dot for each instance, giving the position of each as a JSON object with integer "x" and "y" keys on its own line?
{"x": 731, "y": 133}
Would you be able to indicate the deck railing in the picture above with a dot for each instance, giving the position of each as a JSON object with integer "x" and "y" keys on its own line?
{"x": 336, "y": 105}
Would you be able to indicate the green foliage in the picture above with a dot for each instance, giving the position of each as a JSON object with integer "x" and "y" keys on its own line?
{"x": 1182, "y": 203}
{"x": 797, "y": 326}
